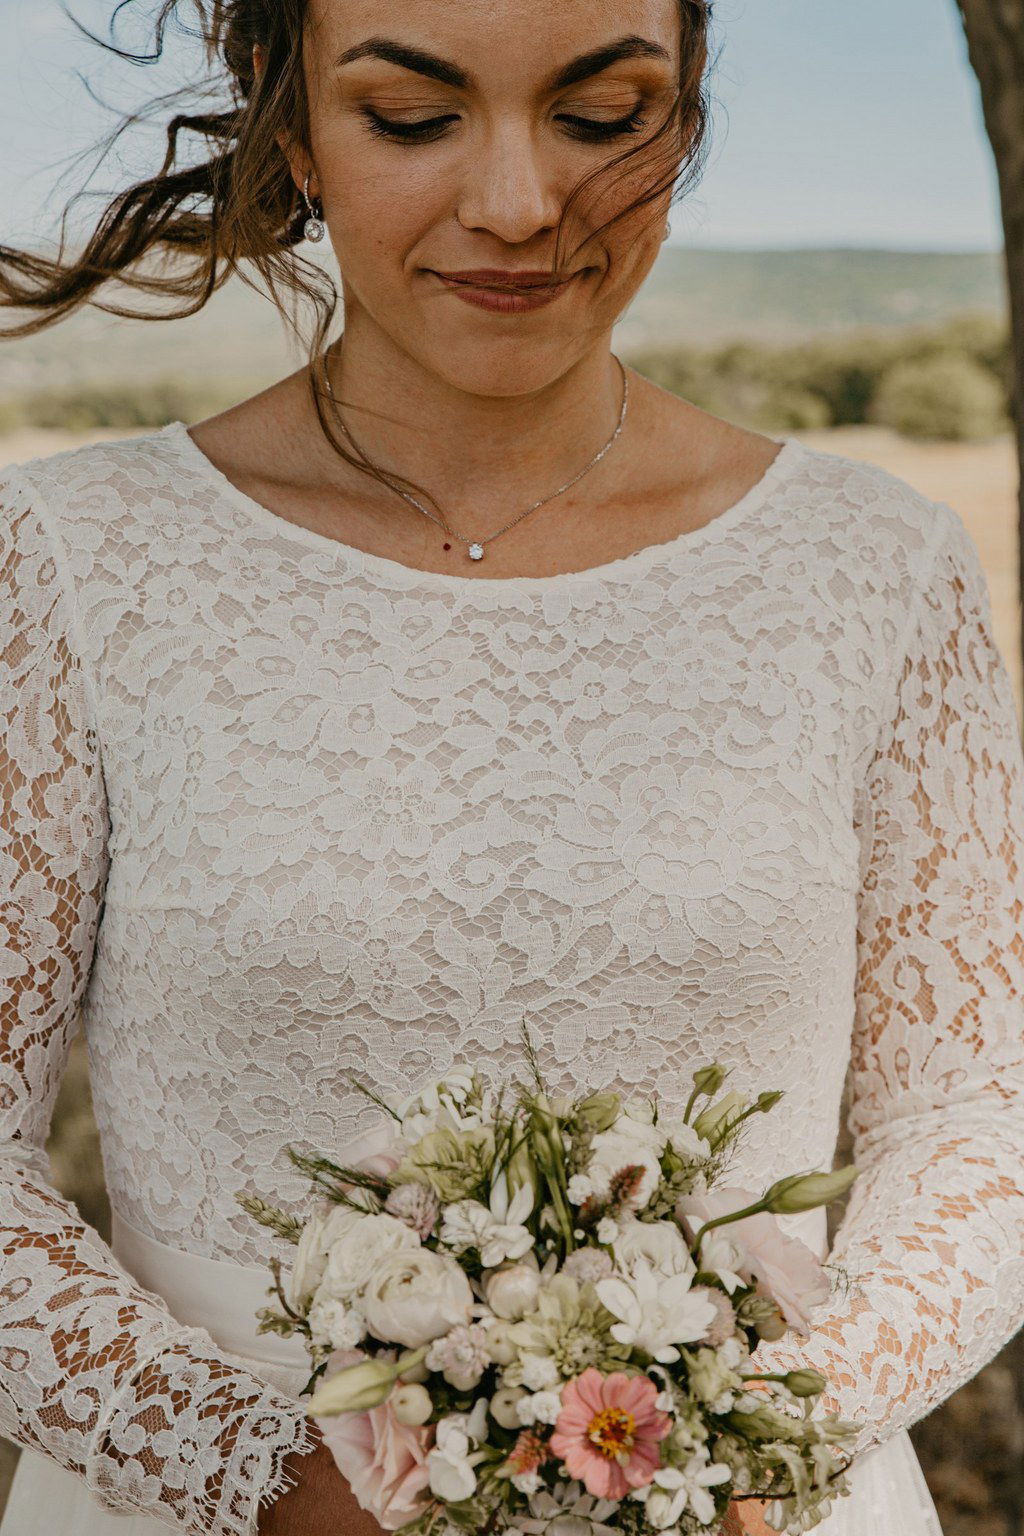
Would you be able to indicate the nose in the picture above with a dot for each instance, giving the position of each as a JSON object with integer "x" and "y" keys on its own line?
{"x": 510, "y": 186}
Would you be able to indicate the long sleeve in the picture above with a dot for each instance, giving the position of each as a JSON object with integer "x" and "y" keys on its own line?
{"x": 930, "y": 1254}
{"x": 95, "y": 1372}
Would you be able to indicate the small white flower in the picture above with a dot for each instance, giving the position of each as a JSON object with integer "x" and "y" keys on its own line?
{"x": 585, "y": 1264}
{"x": 343, "y": 1326}
{"x": 580, "y": 1188}
{"x": 460, "y": 1355}
{"x": 451, "y": 1461}
{"x": 526, "y": 1482}
{"x": 673, "y": 1490}
{"x": 638, "y": 1109}
{"x": 444, "y": 1105}
{"x": 539, "y": 1372}
{"x": 633, "y": 1145}
{"x": 656, "y": 1311}
{"x": 719, "y": 1255}
{"x": 498, "y": 1237}
{"x": 607, "y": 1229}
{"x": 539, "y": 1408}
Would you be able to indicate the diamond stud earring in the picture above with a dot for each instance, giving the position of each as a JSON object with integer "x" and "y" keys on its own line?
{"x": 314, "y": 228}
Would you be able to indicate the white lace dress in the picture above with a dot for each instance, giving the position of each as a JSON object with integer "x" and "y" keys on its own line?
{"x": 275, "y": 809}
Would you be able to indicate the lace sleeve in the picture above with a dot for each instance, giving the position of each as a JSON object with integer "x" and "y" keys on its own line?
{"x": 95, "y": 1372}
{"x": 929, "y": 1259}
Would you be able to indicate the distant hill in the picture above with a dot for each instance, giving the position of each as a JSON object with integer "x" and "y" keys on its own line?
{"x": 692, "y": 296}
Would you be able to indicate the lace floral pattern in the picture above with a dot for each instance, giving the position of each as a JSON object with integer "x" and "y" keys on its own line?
{"x": 276, "y": 810}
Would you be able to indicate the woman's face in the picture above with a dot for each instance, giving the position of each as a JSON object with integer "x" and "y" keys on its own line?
{"x": 515, "y": 114}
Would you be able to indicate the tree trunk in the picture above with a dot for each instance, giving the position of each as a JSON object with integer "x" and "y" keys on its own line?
{"x": 995, "y": 44}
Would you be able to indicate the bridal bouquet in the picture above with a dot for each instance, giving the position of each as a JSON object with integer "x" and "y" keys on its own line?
{"x": 543, "y": 1311}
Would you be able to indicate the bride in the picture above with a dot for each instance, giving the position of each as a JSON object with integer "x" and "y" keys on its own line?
{"x": 466, "y": 677}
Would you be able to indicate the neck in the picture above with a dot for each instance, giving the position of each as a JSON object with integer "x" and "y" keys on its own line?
{"x": 487, "y": 454}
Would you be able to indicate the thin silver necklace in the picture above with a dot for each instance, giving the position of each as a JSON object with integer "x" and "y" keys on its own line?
{"x": 475, "y": 547}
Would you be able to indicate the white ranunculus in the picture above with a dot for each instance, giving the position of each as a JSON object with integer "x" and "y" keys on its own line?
{"x": 659, "y": 1242}
{"x": 511, "y": 1289}
{"x": 415, "y": 1296}
{"x": 328, "y": 1222}
{"x": 359, "y": 1250}
{"x": 613, "y": 1150}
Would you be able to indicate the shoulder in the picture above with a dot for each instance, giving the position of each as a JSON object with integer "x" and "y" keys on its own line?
{"x": 880, "y": 528}
{"x": 115, "y": 467}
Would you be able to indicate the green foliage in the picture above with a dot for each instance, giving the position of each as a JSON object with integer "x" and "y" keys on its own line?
{"x": 96, "y": 406}
{"x": 947, "y": 396}
{"x": 951, "y": 381}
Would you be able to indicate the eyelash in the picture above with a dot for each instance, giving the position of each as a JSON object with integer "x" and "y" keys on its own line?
{"x": 587, "y": 129}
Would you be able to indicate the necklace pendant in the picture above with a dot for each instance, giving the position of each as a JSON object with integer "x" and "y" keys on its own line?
{"x": 476, "y": 551}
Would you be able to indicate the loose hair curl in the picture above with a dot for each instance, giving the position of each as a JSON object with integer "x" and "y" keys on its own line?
{"x": 181, "y": 233}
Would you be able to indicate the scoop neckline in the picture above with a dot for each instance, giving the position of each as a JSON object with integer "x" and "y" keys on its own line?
{"x": 790, "y": 449}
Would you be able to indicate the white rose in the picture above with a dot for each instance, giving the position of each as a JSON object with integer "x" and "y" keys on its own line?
{"x": 511, "y": 1290}
{"x": 358, "y": 1252}
{"x": 415, "y": 1296}
{"x": 660, "y": 1242}
{"x": 329, "y": 1222}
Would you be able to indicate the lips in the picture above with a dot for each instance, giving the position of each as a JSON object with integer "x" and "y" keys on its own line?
{"x": 488, "y": 277}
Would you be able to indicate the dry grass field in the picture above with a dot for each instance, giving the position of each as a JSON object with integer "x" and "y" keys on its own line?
{"x": 972, "y": 1448}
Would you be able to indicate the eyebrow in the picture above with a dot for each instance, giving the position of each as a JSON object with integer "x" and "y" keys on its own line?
{"x": 581, "y": 68}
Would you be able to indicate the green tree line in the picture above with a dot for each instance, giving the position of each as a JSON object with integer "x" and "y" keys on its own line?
{"x": 949, "y": 382}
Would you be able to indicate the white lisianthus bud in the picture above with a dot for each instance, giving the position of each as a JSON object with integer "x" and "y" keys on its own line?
{"x": 411, "y": 1404}
{"x": 355, "y": 1388}
{"x": 803, "y": 1192}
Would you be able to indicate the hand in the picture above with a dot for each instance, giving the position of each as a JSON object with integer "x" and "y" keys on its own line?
{"x": 746, "y": 1518}
{"x": 320, "y": 1504}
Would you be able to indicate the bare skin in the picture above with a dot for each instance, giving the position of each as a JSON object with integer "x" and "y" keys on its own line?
{"x": 488, "y": 411}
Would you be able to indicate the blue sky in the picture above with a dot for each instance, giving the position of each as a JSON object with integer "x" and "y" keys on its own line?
{"x": 836, "y": 122}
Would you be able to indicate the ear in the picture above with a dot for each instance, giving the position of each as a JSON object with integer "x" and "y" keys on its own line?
{"x": 297, "y": 159}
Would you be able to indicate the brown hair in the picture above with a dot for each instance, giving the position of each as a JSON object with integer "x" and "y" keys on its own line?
{"x": 238, "y": 210}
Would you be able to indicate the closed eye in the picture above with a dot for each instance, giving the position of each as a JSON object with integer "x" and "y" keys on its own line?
{"x": 431, "y": 128}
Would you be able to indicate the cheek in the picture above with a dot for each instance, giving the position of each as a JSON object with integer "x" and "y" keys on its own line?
{"x": 380, "y": 212}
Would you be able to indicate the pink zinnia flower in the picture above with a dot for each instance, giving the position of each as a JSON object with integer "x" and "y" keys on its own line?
{"x": 608, "y": 1431}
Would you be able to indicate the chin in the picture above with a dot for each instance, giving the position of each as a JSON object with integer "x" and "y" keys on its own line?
{"x": 505, "y": 367}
